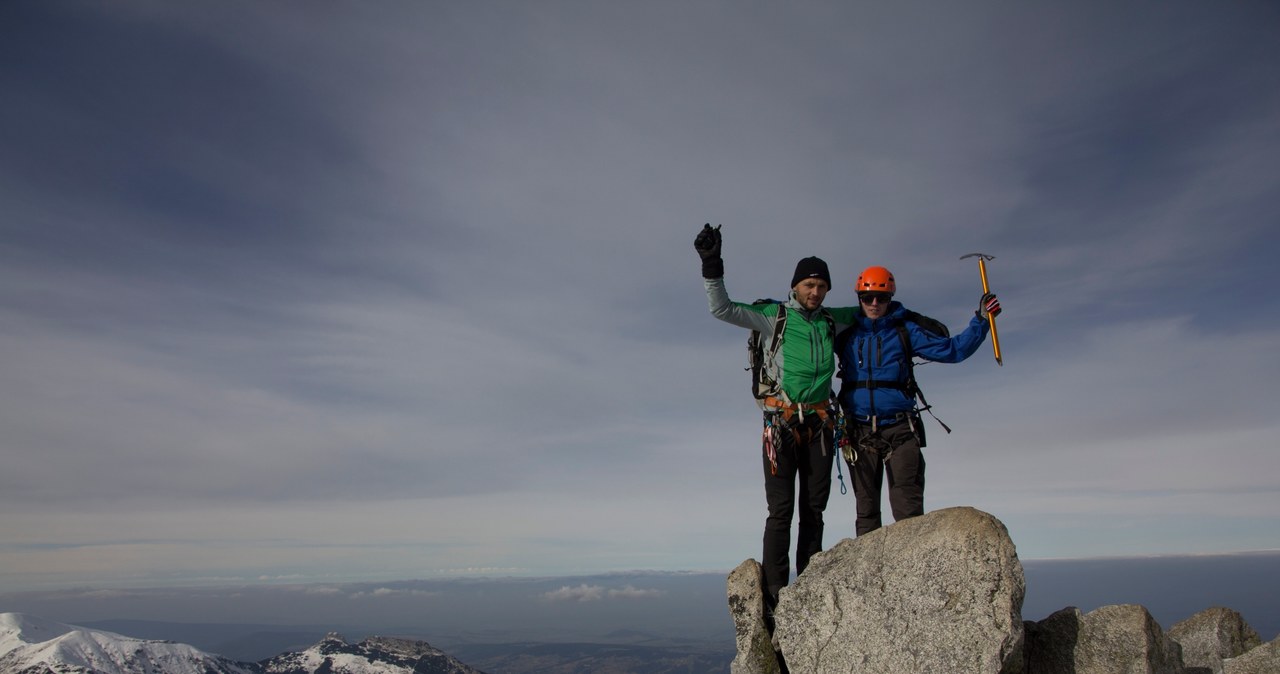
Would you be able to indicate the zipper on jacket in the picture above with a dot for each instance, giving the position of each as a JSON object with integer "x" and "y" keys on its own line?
{"x": 815, "y": 352}
{"x": 865, "y": 361}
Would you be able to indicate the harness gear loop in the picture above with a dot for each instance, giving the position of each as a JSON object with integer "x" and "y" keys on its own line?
{"x": 770, "y": 442}
{"x": 840, "y": 438}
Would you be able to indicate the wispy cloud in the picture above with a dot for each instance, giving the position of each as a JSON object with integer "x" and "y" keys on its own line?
{"x": 587, "y": 593}
{"x": 383, "y": 592}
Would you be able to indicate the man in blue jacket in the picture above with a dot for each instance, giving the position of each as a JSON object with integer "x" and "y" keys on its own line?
{"x": 878, "y": 396}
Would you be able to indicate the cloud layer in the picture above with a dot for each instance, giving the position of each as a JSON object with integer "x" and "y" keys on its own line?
{"x": 397, "y": 291}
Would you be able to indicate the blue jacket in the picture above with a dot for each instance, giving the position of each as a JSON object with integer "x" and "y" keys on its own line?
{"x": 871, "y": 350}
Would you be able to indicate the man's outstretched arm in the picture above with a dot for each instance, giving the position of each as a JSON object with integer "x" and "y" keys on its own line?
{"x": 708, "y": 244}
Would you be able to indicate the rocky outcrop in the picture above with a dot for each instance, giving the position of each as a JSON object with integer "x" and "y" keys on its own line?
{"x": 1050, "y": 644}
{"x": 943, "y": 593}
{"x": 746, "y": 605}
{"x": 1264, "y": 659}
{"x": 940, "y": 593}
{"x": 1112, "y": 639}
{"x": 1211, "y": 636}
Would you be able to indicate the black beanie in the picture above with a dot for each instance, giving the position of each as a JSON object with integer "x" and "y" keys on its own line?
{"x": 811, "y": 267}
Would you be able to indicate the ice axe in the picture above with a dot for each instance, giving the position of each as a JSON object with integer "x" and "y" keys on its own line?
{"x": 982, "y": 269}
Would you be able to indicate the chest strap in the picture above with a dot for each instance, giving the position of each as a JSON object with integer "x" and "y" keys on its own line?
{"x": 880, "y": 383}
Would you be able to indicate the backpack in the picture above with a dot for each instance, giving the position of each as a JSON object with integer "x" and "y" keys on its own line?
{"x": 910, "y": 387}
{"x": 762, "y": 385}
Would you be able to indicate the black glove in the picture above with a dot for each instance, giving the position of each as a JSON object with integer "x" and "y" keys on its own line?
{"x": 988, "y": 306}
{"x": 708, "y": 246}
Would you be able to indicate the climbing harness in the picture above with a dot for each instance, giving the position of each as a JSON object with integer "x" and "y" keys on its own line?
{"x": 781, "y": 414}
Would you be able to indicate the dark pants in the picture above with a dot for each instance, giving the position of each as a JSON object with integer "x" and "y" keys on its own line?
{"x": 808, "y": 465}
{"x": 904, "y": 466}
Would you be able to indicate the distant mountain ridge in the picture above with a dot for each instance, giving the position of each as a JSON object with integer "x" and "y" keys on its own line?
{"x": 32, "y": 645}
{"x": 375, "y": 655}
{"x": 242, "y": 642}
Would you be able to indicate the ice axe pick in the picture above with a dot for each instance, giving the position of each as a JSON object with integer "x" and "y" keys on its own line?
{"x": 991, "y": 320}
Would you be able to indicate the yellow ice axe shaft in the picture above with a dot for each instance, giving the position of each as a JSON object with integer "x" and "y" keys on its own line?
{"x": 991, "y": 320}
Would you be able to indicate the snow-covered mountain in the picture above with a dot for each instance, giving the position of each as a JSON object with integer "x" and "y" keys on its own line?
{"x": 30, "y": 645}
{"x": 376, "y": 655}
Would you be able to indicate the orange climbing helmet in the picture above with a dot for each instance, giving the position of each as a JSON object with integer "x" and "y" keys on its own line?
{"x": 875, "y": 280}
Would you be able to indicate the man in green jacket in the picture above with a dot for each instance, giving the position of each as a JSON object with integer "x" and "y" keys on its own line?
{"x": 797, "y": 403}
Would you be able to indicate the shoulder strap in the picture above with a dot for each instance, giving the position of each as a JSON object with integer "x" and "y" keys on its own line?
{"x": 759, "y": 356}
{"x": 831, "y": 321}
{"x": 839, "y": 341}
{"x": 930, "y": 325}
{"x": 913, "y": 387}
{"x": 779, "y": 325}
{"x": 907, "y": 351}
{"x": 908, "y": 355}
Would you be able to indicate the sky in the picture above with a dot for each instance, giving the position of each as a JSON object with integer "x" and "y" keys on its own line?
{"x": 302, "y": 292}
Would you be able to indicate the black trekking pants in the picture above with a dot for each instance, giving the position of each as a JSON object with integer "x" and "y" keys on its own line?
{"x": 809, "y": 466}
{"x": 905, "y": 468}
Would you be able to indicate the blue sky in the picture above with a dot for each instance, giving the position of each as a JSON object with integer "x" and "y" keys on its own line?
{"x": 296, "y": 292}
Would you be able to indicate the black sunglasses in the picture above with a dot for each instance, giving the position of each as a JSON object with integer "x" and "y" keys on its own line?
{"x": 872, "y": 298}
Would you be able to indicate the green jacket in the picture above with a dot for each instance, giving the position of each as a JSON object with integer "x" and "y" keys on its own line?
{"x": 806, "y": 359}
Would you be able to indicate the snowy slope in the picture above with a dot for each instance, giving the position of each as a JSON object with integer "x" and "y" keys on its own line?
{"x": 377, "y": 655}
{"x": 30, "y": 645}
